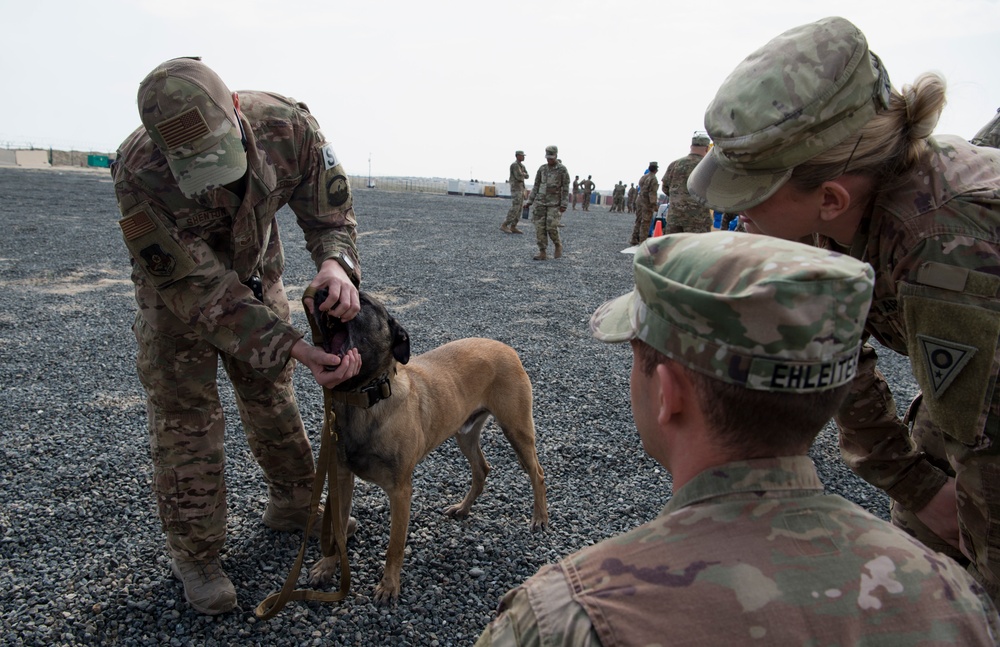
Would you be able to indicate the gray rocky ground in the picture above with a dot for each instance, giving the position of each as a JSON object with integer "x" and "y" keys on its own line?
{"x": 81, "y": 552}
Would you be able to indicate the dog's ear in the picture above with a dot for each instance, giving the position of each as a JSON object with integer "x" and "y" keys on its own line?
{"x": 400, "y": 341}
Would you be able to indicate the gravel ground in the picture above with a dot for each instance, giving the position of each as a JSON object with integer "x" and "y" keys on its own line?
{"x": 81, "y": 551}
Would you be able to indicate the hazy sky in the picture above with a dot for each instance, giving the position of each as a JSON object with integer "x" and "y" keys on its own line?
{"x": 451, "y": 88}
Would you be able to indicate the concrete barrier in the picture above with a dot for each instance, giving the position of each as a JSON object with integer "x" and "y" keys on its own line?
{"x": 7, "y": 158}
{"x": 33, "y": 158}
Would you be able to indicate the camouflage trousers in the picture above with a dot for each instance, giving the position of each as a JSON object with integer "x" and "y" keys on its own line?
{"x": 516, "y": 206}
{"x": 586, "y": 200}
{"x": 618, "y": 204}
{"x": 546, "y": 219}
{"x": 187, "y": 430}
{"x": 978, "y": 486}
{"x": 643, "y": 218}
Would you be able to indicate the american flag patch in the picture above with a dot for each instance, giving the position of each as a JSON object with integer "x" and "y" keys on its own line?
{"x": 136, "y": 225}
{"x": 185, "y": 127}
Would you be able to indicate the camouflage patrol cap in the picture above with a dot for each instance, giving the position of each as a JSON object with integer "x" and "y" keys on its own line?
{"x": 796, "y": 97}
{"x": 188, "y": 112}
{"x": 519, "y": 152}
{"x": 751, "y": 310}
{"x": 700, "y": 140}
{"x": 551, "y": 152}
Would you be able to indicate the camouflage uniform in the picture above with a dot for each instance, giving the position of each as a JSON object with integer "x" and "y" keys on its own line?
{"x": 989, "y": 135}
{"x": 550, "y": 197}
{"x": 685, "y": 213}
{"x": 645, "y": 206}
{"x": 935, "y": 246}
{"x": 630, "y": 203}
{"x": 192, "y": 260}
{"x": 588, "y": 188}
{"x": 805, "y": 568}
{"x": 576, "y": 191}
{"x": 933, "y": 238}
{"x": 618, "y": 198}
{"x": 518, "y": 174}
{"x": 750, "y": 550}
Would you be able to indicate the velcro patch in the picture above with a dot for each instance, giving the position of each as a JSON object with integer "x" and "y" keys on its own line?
{"x": 153, "y": 248}
{"x": 943, "y": 361}
{"x": 329, "y": 157}
{"x": 182, "y": 129}
{"x": 136, "y": 224}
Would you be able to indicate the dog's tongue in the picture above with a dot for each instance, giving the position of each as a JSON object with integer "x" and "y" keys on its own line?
{"x": 337, "y": 344}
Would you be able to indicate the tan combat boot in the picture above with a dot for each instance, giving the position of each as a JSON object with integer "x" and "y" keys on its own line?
{"x": 515, "y": 230}
{"x": 540, "y": 256}
{"x": 291, "y": 516}
{"x": 558, "y": 252}
{"x": 206, "y": 586}
{"x": 504, "y": 229}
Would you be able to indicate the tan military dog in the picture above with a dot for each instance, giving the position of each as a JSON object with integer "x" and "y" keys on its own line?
{"x": 449, "y": 391}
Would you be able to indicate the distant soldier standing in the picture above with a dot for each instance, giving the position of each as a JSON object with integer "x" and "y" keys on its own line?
{"x": 618, "y": 197}
{"x": 198, "y": 186}
{"x": 632, "y": 191}
{"x": 645, "y": 204}
{"x": 549, "y": 195}
{"x": 686, "y": 213}
{"x": 588, "y": 189}
{"x": 518, "y": 174}
{"x": 576, "y": 190}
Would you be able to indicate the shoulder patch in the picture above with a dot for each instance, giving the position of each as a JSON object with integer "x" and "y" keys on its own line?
{"x": 136, "y": 224}
{"x": 329, "y": 157}
{"x": 153, "y": 248}
{"x": 943, "y": 361}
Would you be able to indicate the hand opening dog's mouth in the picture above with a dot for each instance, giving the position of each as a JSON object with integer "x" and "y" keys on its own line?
{"x": 336, "y": 336}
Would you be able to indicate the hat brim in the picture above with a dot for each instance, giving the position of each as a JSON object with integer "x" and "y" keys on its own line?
{"x": 730, "y": 191}
{"x": 612, "y": 322}
{"x": 216, "y": 166}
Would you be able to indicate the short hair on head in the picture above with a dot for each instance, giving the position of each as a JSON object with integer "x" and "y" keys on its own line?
{"x": 750, "y": 423}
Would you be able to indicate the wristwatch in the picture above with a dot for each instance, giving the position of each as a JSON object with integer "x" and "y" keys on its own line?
{"x": 352, "y": 271}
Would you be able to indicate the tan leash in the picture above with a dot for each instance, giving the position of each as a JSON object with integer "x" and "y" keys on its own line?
{"x": 327, "y": 466}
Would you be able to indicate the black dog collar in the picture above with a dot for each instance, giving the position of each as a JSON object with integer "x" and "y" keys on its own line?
{"x": 375, "y": 391}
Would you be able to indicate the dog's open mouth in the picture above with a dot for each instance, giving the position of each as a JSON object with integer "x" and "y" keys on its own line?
{"x": 336, "y": 337}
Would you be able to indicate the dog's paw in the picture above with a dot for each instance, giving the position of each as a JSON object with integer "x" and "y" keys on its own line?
{"x": 539, "y": 524}
{"x": 387, "y": 591}
{"x": 323, "y": 571}
{"x": 457, "y": 511}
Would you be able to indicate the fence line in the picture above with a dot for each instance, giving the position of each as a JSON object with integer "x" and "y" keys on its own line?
{"x": 412, "y": 185}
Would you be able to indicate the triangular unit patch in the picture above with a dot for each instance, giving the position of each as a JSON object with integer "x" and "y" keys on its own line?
{"x": 944, "y": 360}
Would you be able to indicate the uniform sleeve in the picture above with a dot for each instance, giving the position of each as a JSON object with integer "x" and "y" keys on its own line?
{"x": 876, "y": 444}
{"x": 537, "y": 187}
{"x": 197, "y": 288}
{"x": 540, "y": 612}
{"x": 322, "y": 202}
{"x": 564, "y": 189}
{"x": 948, "y": 315}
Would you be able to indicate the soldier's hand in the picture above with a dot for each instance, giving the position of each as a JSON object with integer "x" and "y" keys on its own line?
{"x": 328, "y": 370}
{"x": 343, "y": 300}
